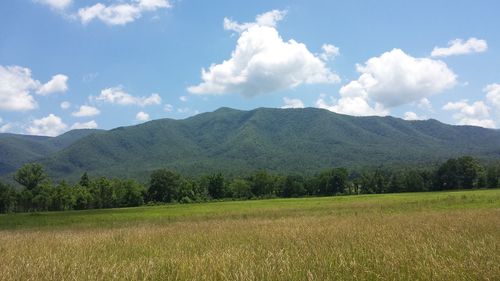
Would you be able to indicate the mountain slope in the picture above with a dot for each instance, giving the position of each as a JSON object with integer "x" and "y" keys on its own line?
{"x": 16, "y": 150}
{"x": 289, "y": 140}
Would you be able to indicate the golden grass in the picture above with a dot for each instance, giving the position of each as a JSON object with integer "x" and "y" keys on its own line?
{"x": 418, "y": 245}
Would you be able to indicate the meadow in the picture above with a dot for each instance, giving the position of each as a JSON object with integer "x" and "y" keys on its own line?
{"x": 408, "y": 236}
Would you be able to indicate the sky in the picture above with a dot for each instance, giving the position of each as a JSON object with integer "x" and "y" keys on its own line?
{"x": 70, "y": 64}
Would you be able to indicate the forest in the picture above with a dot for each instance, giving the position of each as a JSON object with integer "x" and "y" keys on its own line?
{"x": 36, "y": 191}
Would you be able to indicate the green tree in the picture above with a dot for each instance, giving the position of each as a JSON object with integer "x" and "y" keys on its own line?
{"x": 63, "y": 197}
{"x": 103, "y": 193}
{"x": 447, "y": 176}
{"x": 397, "y": 183}
{"x": 414, "y": 181}
{"x": 240, "y": 188}
{"x": 216, "y": 187}
{"x": 7, "y": 198}
{"x": 83, "y": 198}
{"x": 293, "y": 186}
{"x": 42, "y": 197}
{"x": 30, "y": 175}
{"x": 129, "y": 193}
{"x": 85, "y": 180}
{"x": 493, "y": 176}
{"x": 163, "y": 186}
{"x": 187, "y": 192}
{"x": 333, "y": 181}
{"x": 24, "y": 200}
{"x": 263, "y": 184}
{"x": 469, "y": 171}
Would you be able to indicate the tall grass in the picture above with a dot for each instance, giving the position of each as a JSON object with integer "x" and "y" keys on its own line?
{"x": 434, "y": 236}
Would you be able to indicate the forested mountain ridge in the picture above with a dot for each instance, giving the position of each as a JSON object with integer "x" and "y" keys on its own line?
{"x": 284, "y": 140}
{"x": 235, "y": 141}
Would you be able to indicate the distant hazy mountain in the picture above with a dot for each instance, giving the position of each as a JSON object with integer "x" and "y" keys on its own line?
{"x": 234, "y": 141}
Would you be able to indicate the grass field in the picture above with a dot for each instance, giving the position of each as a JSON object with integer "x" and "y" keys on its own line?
{"x": 413, "y": 236}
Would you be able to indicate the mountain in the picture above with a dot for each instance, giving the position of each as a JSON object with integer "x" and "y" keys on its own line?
{"x": 286, "y": 140}
{"x": 16, "y": 150}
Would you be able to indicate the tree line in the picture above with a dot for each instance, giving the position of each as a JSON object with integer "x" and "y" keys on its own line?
{"x": 39, "y": 193}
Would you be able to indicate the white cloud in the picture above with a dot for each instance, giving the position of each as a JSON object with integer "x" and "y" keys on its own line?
{"x": 493, "y": 95}
{"x": 187, "y": 111}
{"x": 117, "y": 95}
{"x": 425, "y": 104}
{"x": 56, "y": 4}
{"x": 395, "y": 78}
{"x": 168, "y": 107}
{"x": 16, "y": 85}
{"x": 87, "y": 125}
{"x": 183, "y": 98}
{"x": 269, "y": 19}
{"x": 329, "y": 52}
{"x": 51, "y": 125}
{"x": 262, "y": 62}
{"x": 65, "y": 104}
{"x": 475, "y": 114}
{"x": 292, "y": 103}
{"x": 58, "y": 84}
{"x": 459, "y": 47}
{"x": 5, "y": 128}
{"x": 152, "y": 5}
{"x": 356, "y": 106}
{"x": 410, "y": 116}
{"x": 142, "y": 116}
{"x": 120, "y": 14}
{"x": 86, "y": 111}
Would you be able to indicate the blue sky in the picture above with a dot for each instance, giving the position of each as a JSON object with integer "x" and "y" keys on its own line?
{"x": 105, "y": 63}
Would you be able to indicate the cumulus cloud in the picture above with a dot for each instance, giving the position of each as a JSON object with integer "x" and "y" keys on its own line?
{"x": 86, "y": 111}
{"x": 390, "y": 80}
{"x": 142, "y": 116}
{"x": 411, "y": 116}
{"x": 58, "y": 84}
{"x": 269, "y": 19}
{"x": 425, "y": 104}
{"x": 292, "y": 103}
{"x": 395, "y": 78}
{"x": 493, "y": 95}
{"x": 461, "y": 47}
{"x": 117, "y": 95}
{"x": 87, "y": 125}
{"x": 5, "y": 128}
{"x": 168, "y": 107}
{"x": 263, "y": 62}
{"x": 51, "y": 125}
{"x": 16, "y": 86}
{"x": 183, "y": 98}
{"x": 329, "y": 52}
{"x": 65, "y": 105}
{"x": 122, "y": 13}
{"x": 56, "y": 4}
{"x": 357, "y": 106}
{"x": 474, "y": 114}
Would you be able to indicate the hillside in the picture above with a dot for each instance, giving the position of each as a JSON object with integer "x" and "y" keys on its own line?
{"x": 286, "y": 140}
{"x": 16, "y": 150}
